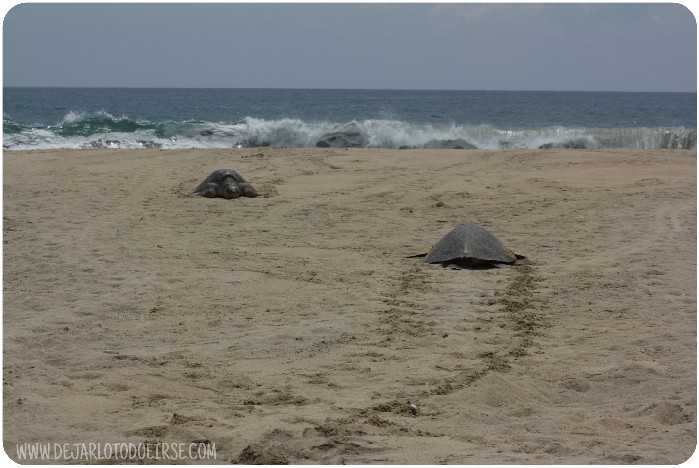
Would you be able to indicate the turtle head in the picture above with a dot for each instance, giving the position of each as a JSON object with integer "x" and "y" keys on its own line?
{"x": 231, "y": 190}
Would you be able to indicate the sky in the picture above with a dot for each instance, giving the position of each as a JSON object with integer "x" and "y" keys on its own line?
{"x": 492, "y": 46}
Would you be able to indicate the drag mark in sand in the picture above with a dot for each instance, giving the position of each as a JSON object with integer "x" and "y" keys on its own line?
{"x": 511, "y": 312}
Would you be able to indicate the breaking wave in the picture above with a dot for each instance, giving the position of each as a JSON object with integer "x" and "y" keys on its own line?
{"x": 102, "y": 130}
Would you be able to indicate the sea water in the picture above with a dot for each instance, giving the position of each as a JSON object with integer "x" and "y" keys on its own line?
{"x": 62, "y": 118}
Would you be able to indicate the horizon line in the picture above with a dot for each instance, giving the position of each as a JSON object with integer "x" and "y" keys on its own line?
{"x": 343, "y": 89}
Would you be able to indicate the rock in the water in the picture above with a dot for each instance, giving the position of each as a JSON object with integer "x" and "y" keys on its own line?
{"x": 448, "y": 144}
{"x": 339, "y": 140}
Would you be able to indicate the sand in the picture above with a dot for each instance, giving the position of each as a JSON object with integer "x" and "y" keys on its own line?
{"x": 291, "y": 328}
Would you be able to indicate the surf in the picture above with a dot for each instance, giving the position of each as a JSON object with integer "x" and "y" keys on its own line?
{"x": 102, "y": 130}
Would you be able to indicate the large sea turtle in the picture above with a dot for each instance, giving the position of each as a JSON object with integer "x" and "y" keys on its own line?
{"x": 470, "y": 245}
{"x": 225, "y": 183}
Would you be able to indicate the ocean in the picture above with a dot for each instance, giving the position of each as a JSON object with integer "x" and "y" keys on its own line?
{"x": 67, "y": 118}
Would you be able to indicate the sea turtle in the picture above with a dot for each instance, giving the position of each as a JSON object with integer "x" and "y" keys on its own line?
{"x": 470, "y": 245}
{"x": 225, "y": 183}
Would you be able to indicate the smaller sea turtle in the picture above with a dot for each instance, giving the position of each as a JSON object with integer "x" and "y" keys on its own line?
{"x": 471, "y": 246}
{"x": 225, "y": 183}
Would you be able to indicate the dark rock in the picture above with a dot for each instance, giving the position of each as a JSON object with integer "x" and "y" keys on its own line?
{"x": 448, "y": 144}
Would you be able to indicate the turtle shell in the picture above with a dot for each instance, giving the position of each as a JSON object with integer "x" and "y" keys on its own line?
{"x": 470, "y": 242}
{"x": 219, "y": 175}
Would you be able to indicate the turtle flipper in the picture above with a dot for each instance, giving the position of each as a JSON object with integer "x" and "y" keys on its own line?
{"x": 209, "y": 190}
{"x": 248, "y": 191}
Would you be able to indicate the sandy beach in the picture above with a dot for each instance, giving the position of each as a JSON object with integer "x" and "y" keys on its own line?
{"x": 294, "y": 327}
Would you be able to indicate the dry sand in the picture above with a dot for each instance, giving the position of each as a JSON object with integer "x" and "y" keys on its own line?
{"x": 292, "y": 327}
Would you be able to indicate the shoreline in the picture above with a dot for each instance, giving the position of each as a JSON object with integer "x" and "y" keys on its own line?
{"x": 292, "y": 328}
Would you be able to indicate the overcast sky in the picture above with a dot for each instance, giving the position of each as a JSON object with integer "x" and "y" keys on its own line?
{"x": 597, "y": 47}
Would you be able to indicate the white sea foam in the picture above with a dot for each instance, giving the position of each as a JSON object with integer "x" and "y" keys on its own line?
{"x": 103, "y": 130}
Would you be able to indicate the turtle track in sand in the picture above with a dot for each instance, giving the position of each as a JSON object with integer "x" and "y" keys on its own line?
{"x": 512, "y": 309}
